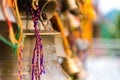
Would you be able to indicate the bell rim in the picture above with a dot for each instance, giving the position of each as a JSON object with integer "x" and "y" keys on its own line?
{"x": 44, "y": 7}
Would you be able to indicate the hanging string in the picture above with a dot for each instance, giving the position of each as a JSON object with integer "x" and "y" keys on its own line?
{"x": 65, "y": 41}
{"x": 20, "y": 63}
{"x": 20, "y": 39}
{"x": 37, "y": 60}
{"x": 20, "y": 50}
{"x": 19, "y": 21}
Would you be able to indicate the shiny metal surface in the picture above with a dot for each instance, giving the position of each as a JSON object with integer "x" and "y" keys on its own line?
{"x": 48, "y": 9}
{"x": 70, "y": 65}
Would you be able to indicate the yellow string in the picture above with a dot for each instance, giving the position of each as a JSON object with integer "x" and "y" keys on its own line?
{"x": 19, "y": 21}
{"x": 20, "y": 38}
{"x": 20, "y": 63}
{"x": 65, "y": 41}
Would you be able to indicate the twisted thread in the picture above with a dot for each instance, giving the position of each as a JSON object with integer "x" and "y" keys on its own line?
{"x": 37, "y": 60}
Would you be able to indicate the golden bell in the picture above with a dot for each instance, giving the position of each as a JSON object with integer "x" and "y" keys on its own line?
{"x": 70, "y": 65}
{"x": 47, "y": 8}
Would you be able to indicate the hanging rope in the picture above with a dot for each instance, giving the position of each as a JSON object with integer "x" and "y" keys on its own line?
{"x": 20, "y": 62}
{"x": 20, "y": 50}
{"x": 37, "y": 60}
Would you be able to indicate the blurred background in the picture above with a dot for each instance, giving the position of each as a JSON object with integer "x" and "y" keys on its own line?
{"x": 93, "y": 31}
{"x": 92, "y": 28}
{"x": 103, "y": 63}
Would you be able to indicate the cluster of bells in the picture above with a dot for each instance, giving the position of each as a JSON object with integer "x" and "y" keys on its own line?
{"x": 8, "y": 63}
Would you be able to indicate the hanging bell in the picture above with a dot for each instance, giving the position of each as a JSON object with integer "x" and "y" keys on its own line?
{"x": 70, "y": 65}
{"x": 47, "y": 8}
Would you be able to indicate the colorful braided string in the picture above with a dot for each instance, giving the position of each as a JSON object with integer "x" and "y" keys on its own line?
{"x": 16, "y": 40}
{"x": 20, "y": 63}
{"x": 37, "y": 60}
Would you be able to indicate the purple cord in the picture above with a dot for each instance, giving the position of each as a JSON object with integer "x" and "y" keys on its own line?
{"x": 37, "y": 69}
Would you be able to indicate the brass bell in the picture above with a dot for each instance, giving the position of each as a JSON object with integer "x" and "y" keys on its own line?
{"x": 70, "y": 65}
{"x": 47, "y": 8}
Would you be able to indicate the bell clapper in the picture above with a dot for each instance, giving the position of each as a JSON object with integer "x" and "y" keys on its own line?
{"x": 47, "y": 26}
{"x": 44, "y": 16}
